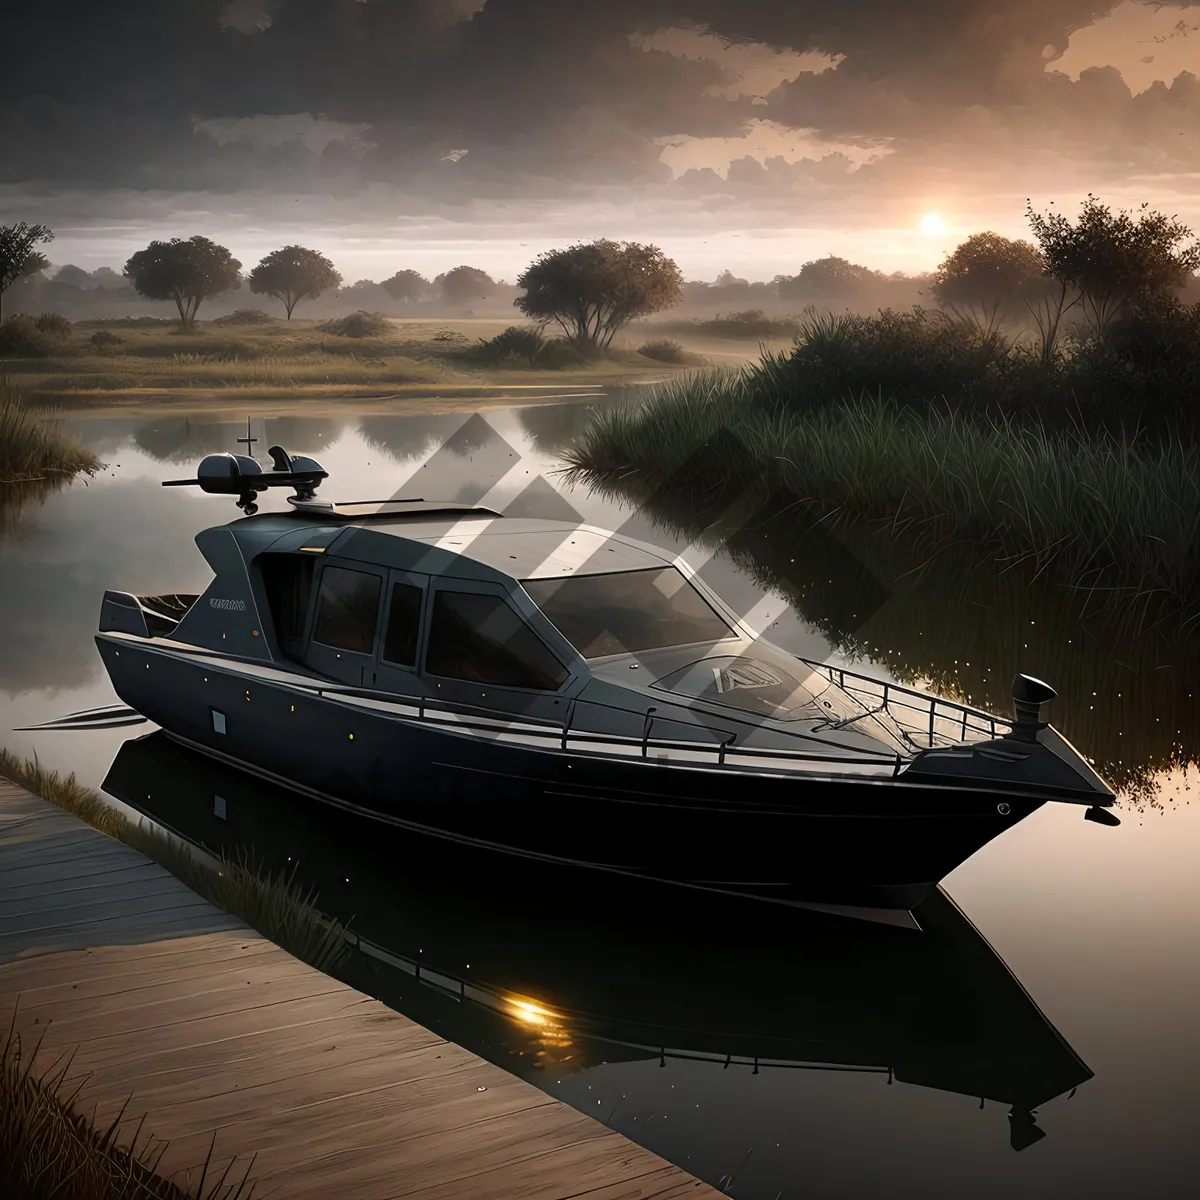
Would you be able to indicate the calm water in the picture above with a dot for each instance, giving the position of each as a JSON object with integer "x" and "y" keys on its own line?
{"x": 646, "y": 1010}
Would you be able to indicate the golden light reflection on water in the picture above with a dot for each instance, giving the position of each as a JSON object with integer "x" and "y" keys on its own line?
{"x": 555, "y": 1047}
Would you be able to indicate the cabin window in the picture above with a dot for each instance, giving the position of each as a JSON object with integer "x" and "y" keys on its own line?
{"x": 403, "y": 625}
{"x": 482, "y": 639}
{"x": 623, "y": 612}
{"x": 288, "y": 582}
{"x": 347, "y": 610}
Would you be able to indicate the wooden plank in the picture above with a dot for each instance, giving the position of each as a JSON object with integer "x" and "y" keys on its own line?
{"x": 109, "y": 878}
{"x": 114, "y": 960}
{"x": 217, "y": 1033}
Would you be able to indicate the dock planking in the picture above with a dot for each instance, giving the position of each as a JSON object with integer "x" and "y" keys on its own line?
{"x": 214, "y": 1030}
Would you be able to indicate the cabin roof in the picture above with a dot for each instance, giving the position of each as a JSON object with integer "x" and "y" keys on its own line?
{"x": 520, "y": 547}
{"x": 527, "y": 548}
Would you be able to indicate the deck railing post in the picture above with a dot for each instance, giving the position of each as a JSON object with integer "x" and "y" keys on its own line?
{"x": 646, "y": 729}
{"x": 567, "y": 722}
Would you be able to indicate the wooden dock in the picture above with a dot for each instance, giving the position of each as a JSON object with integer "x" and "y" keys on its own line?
{"x": 214, "y": 1029}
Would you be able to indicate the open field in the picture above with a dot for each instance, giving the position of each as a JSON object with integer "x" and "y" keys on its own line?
{"x": 116, "y": 362}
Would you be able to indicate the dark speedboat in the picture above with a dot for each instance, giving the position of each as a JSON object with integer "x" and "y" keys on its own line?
{"x": 559, "y": 692}
{"x": 560, "y": 972}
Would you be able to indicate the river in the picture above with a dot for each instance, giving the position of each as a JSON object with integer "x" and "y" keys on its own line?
{"x": 774, "y": 1054}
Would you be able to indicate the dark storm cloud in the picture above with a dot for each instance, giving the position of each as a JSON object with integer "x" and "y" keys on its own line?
{"x": 556, "y": 97}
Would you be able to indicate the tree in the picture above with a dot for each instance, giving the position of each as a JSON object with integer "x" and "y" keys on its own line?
{"x": 1112, "y": 261}
{"x": 409, "y": 286}
{"x": 985, "y": 276}
{"x": 184, "y": 271}
{"x": 463, "y": 285}
{"x": 18, "y": 258}
{"x": 591, "y": 289}
{"x": 293, "y": 273}
{"x": 830, "y": 275}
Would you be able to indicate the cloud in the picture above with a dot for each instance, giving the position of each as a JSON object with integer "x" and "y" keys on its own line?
{"x": 626, "y": 112}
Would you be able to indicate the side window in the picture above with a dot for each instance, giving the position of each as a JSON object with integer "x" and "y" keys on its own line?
{"x": 288, "y": 582}
{"x": 482, "y": 639}
{"x": 347, "y": 610}
{"x": 403, "y": 625}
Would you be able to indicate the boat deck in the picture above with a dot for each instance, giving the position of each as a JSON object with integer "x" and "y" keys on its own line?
{"x": 215, "y": 1030}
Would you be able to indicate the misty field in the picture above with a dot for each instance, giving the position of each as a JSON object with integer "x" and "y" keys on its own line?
{"x": 71, "y": 362}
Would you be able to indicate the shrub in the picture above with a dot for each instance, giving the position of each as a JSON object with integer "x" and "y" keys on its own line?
{"x": 664, "y": 350}
{"x": 919, "y": 356}
{"x": 357, "y": 325}
{"x": 244, "y": 316}
{"x": 517, "y": 342}
{"x": 20, "y": 337}
{"x": 753, "y": 323}
{"x": 104, "y": 338}
{"x": 53, "y": 325}
{"x": 559, "y": 353}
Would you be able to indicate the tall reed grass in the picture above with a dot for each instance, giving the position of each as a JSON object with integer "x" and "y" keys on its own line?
{"x": 33, "y": 447}
{"x": 1103, "y": 513}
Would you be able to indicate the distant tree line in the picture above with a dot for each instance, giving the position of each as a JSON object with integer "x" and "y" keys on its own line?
{"x": 1100, "y": 267}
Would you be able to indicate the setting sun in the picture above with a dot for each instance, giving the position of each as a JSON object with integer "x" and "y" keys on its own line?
{"x": 932, "y": 222}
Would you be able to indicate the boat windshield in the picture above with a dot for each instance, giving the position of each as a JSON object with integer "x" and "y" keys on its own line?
{"x": 621, "y": 612}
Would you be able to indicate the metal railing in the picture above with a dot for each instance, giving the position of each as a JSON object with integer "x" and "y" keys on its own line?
{"x": 924, "y": 721}
{"x": 720, "y": 749}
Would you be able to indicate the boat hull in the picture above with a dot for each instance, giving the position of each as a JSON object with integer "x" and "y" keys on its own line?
{"x": 836, "y": 840}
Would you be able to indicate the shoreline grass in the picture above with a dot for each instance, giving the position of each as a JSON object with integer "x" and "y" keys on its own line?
{"x": 1103, "y": 514}
{"x": 33, "y": 449}
{"x": 50, "y": 1151}
{"x": 273, "y": 903}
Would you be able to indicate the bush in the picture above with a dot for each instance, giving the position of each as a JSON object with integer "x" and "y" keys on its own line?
{"x": 244, "y": 316}
{"x": 516, "y": 343}
{"x": 357, "y": 325}
{"x": 54, "y": 325}
{"x": 664, "y": 350}
{"x": 20, "y": 337}
{"x": 920, "y": 356}
{"x": 559, "y": 353}
{"x": 753, "y": 323}
{"x": 104, "y": 338}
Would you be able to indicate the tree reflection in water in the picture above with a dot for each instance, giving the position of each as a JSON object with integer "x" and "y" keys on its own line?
{"x": 964, "y": 625}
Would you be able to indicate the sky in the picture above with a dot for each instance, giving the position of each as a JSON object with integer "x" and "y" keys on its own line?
{"x": 753, "y": 135}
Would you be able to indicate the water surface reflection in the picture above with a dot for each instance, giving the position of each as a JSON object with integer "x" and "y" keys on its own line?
{"x": 1098, "y": 924}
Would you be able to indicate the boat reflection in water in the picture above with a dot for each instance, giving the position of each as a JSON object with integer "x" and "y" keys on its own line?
{"x": 549, "y": 968}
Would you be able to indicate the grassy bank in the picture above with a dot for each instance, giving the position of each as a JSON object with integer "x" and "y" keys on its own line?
{"x": 1102, "y": 514}
{"x": 271, "y": 902}
{"x": 103, "y": 361}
